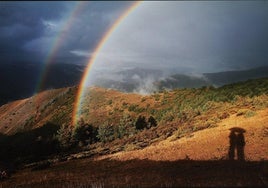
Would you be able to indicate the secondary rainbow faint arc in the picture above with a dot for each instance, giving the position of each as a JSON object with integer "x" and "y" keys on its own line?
{"x": 82, "y": 84}
{"x": 57, "y": 43}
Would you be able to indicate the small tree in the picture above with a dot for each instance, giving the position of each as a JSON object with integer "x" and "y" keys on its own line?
{"x": 126, "y": 126}
{"x": 81, "y": 122}
{"x": 81, "y": 134}
{"x": 64, "y": 136}
{"x": 105, "y": 133}
{"x": 140, "y": 123}
{"x": 152, "y": 122}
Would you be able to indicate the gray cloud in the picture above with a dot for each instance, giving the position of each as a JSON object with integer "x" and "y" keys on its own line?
{"x": 30, "y": 29}
{"x": 191, "y": 36}
{"x": 21, "y": 23}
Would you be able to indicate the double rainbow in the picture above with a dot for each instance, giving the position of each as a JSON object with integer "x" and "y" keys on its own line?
{"x": 57, "y": 43}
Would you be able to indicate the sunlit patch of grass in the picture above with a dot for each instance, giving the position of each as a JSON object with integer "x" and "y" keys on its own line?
{"x": 182, "y": 131}
{"x": 246, "y": 113}
{"x": 131, "y": 147}
{"x": 241, "y": 112}
{"x": 249, "y": 114}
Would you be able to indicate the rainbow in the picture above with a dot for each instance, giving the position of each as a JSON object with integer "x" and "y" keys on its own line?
{"x": 82, "y": 86}
{"x": 56, "y": 44}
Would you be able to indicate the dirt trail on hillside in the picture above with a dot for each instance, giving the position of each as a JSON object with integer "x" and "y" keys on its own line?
{"x": 209, "y": 144}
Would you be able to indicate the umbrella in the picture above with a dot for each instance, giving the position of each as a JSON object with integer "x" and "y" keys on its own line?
{"x": 238, "y": 129}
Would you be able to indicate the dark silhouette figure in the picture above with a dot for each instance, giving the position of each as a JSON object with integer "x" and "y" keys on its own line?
{"x": 240, "y": 146}
{"x": 232, "y": 140}
{"x": 237, "y": 144}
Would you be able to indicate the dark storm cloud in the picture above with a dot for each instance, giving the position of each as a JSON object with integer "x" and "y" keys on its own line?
{"x": 21, "y": 22}
{"x": 28, "y": 30}
{"x": 28, "y": 13}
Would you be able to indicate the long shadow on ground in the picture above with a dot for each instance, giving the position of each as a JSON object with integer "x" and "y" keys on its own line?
{"x": 144, "y": 173}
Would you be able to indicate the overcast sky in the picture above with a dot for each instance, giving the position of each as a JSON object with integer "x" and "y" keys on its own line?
{"x": 187, "y": 36}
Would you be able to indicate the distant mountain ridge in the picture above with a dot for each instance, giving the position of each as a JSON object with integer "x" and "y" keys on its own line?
{"x": 23, "y": 83}
{"x": 148, "y": 80}
{"x": 215, "y": 79}
{"x": 222, "y": 78}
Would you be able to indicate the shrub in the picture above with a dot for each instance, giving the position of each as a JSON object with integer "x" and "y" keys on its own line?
{"x": 249, "y": 113}
{"x": 241, "y": 112}
{"x": 64, "y": 136}
{"x": 110, "y": 102}
{"x": 126, "y": 127}
{"x": 168, "y": 117}
{"x": 132, "y": 107}
{"x": 140, "y": 123}
{"x": 84, "y": 134}
{"x": 152, "y": 122}
{"x": 105, "y": 133}
{"x": 157, "y": 97}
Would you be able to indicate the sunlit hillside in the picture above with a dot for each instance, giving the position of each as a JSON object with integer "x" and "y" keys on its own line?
{"x": 33, "y": 112}
{"x": 194, "y": 159}
{"x": 191, "y": 129}
{"x": 205, "y": 106}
